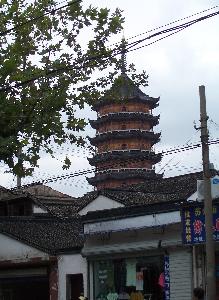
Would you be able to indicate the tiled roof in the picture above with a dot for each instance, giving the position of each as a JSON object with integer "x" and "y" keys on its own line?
{"x": 124, "y": 88}
{"x": 43, "y": 190}
{"x": 6, "y": 194}
{"x": 49, "y": 234}
{"x": 54, "y": 235}
{"x": 152, "y": 196}
{"x": 153, "y": 190}
{"x": 60, "y": 209}
{"x": 54, "y": 203}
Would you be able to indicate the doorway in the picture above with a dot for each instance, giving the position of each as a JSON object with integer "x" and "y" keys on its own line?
{"x": 75, "y": 286}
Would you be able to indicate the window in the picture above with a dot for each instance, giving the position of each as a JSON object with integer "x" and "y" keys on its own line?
{"x": 123, "y": 127}
{"x": 124, "y": 108}
{"x": 128, "y": 278}
{"x": 124, "y": 146}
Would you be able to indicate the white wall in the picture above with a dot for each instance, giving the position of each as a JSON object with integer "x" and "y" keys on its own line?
{"x": 100, "y": 203}
{"x": 71, "y": 264}
{"x": 133, "y": 222}
{"x": 11, "y": 249}
{"x": 38, "y": 210}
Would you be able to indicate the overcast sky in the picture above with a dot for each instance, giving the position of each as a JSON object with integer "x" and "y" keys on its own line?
{"x": 176, "y": 66}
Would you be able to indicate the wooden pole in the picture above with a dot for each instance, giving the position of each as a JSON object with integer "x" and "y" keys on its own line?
{"x": 209, "y": 244}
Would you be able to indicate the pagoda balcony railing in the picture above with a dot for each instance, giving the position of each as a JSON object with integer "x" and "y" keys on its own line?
{"x": 123, "y": 112}
{"x": 124, "y": 169}
{"x": 124, "y": 150}
{"x": 124, "y": 130}
{"x": 152, "y": 150}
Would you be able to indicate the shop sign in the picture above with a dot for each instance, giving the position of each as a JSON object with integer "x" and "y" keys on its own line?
{"x": 193, "y": 222}
{"x": 166, "y": 277}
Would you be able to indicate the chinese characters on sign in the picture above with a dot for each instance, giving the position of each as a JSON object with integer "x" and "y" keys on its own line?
{"x": 166, "y": 277}
{"x": 193, "y": 221}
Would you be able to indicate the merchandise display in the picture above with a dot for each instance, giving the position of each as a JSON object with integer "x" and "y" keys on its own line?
{"x": 139, "y": 278}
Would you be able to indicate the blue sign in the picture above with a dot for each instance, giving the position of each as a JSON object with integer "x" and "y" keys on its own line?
{"x": 193, "y": 221}
{"x": 215, "y": 180}
{"x": 166, "y": 277}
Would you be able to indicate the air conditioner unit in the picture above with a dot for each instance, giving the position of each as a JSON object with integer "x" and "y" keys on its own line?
{"x": 214, "y": 188}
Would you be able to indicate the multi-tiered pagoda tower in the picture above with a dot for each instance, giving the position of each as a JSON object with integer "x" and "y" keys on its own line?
{"x": 124, "y": 136}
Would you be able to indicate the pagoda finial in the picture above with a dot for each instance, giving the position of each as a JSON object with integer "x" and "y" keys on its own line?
{"x": 123, "y": 56}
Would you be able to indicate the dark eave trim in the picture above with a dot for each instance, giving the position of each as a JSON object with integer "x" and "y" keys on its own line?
{"x": 125, "y": 116}
{"x": 124, "y": 134}
{"x": 152, "y": 102}
{"x": 124, "y": 155}
{"x": 123, "y": 174}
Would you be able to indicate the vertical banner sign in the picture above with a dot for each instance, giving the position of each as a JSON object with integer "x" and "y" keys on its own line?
{"x": 166, "y": 277}
{"x": 193, "y": 221}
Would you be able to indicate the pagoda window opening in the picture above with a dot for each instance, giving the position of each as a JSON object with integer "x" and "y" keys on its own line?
{"x": 124, "y": 146}
{"x": 123, "y": 127}
{"x": 124, "y": 108}
{"x": 123, "y": 164}
{"x": 104, "y": 148}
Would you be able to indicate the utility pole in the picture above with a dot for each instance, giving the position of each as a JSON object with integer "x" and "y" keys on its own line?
{"x": 20, "y": 164}
{"x": 209, "y": 243}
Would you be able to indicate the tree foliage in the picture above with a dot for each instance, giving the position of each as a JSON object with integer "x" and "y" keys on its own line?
{"x": 47, "y": 62}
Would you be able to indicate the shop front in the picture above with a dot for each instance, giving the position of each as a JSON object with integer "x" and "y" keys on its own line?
{"x": 132, "y": 258}
{"x": 134, "y": 278}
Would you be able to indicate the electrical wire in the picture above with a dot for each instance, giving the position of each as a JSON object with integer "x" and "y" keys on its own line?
{"x": 168, "y": 24}
{"x": 177, "y": 29}
{"x": 103, "y": 169}
{"x": 171, "y": 159}
{"x": 114, "y": 52}
{"x": 165, "y": 25}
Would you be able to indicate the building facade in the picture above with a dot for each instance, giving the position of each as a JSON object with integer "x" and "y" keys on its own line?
{"x": 137, "y": 253}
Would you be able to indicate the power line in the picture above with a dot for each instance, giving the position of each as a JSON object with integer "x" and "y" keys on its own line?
{"x": 114, "y": 52}
{"x": 177, "y": 29}
{"x": 168, "y": 24}
{"x": 53, "y": 11}
{"x": 91, "y": 170}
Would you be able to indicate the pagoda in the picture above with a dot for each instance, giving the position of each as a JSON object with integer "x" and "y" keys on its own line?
{"x": 124, "y": 138}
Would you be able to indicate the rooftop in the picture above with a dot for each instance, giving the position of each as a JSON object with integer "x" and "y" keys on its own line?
{"x": 122, "y": 90}
{"x": 51, "y": 235}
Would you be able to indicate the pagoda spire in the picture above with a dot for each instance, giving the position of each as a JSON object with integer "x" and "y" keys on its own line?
{"x": 123, "y": 57}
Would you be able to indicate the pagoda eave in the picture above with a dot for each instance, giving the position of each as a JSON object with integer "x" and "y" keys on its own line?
{"x": 125, "y": 134}
{"x": 150, "y": 101}
{"x": 133, "y": 155}
{"x": 123, "y": 174}
{"x": 125, "y": 116}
